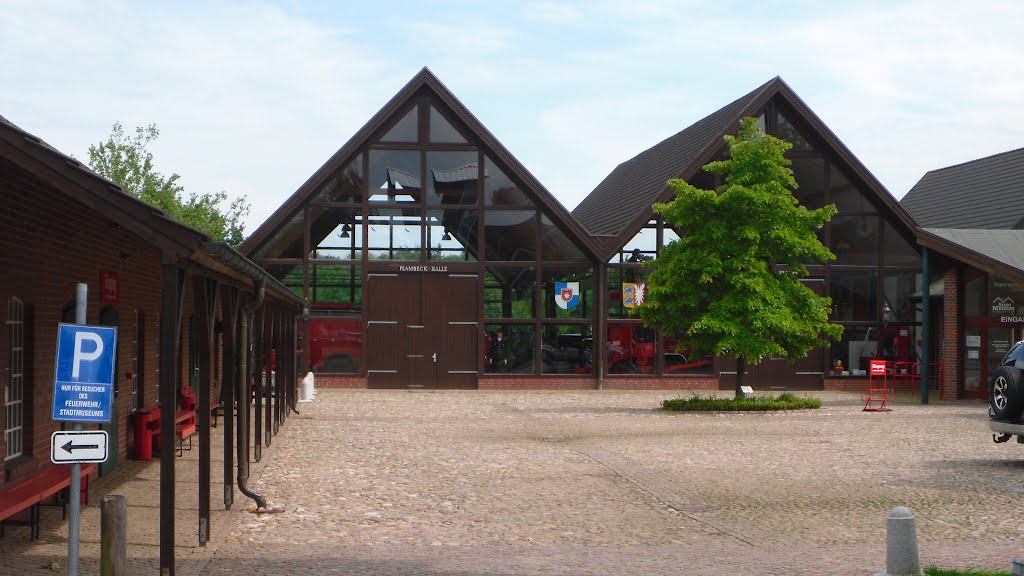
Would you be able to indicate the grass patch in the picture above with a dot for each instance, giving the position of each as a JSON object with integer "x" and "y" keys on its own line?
{"x": 934, "y": 571}
{"x": 784, "y": 401}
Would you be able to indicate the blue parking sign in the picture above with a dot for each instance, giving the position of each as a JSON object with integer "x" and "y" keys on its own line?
{"x": 83, "y": 388}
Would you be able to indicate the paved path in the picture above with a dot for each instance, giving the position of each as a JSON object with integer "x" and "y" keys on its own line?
{"x": 578, "y": 483}
{"x": 482, "y": 483}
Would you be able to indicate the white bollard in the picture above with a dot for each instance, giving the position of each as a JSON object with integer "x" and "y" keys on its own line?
{"x": 307, "y": 389}
{"x": 901, "y": 558}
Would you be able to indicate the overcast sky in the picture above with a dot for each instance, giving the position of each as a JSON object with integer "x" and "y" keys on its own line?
{"x": 252, "y": 97}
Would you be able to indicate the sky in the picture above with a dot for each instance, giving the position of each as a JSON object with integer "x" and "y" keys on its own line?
{"x": 252, "y": 97}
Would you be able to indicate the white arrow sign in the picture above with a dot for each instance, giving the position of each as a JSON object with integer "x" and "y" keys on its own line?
{"x": 69, "y": 447}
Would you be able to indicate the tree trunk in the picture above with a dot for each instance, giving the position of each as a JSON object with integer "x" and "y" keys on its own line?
{"x": 741, "y": 369}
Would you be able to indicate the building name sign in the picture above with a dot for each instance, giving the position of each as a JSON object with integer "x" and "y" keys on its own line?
{"x": 1012, "y": 319}
{"x": 419, "y": 268}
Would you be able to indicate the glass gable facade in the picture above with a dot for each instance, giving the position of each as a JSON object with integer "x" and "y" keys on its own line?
{"x": 425, "y": 200}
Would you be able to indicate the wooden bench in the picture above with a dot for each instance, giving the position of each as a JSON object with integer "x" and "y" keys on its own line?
{"x": 184, "y": 429}
{"x": 29, "y": 493}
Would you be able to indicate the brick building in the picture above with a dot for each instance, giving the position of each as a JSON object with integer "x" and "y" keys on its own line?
{"x": 176, "y": 298}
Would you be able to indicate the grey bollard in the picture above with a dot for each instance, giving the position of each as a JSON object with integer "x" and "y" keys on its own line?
{"x": 113, "y": 535}
{"x": 901, "y": 556}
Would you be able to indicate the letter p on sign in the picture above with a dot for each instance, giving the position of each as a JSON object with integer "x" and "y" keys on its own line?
{"x": 80, "y": 355}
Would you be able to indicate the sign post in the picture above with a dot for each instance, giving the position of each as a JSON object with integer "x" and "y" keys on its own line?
{"x": 82, "y": 392}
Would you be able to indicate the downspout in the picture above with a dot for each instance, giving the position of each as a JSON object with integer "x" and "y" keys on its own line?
{"x": 245, "y": 394}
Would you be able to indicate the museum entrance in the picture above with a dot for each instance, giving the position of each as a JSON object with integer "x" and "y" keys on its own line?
{"x": 422, "y": 328}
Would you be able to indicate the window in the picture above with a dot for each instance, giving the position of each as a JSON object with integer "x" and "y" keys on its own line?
{"x": 14, "y": 395}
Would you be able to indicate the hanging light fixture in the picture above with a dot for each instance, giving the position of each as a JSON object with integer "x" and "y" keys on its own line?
{"x": 345, "y": 231}
{"x": 446, "y": 236}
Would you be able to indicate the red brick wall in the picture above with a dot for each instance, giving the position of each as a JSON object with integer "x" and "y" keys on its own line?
{"x": 550, "y": 383}
{"x": 951, "y": 337}
{"x": 48, "y": 243}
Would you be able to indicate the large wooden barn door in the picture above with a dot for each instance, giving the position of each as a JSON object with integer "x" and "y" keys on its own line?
{"x": 421, "y": 330}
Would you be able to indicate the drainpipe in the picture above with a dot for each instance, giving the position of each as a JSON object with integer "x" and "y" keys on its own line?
{"x": 246, "y": 392}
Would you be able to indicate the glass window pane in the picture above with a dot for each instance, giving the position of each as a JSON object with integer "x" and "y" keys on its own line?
{"x": 335, "y": 343}
{"x": 900, "y": 288}
{"x": 681, "y": 359}
{"x": 855, "y": 295}
{"x": 510, "y": 292}
{"x": 345, "y": 185}
{"x": 643, "y": 246}
{"x": 846, "y": 353}
{"x": 510, "y": 235}
{"x": 668, "y": 236}
{"x": 394, "y": 176}
{"x": 452, "y": 177}
{"x": 288, "y": 242}
{"x": 789, "y": 132}
{"x": 441, "y": 131}
{"x": 1005, "y": 297}
{"x": 499, "y": 190}
{"x": 335, "y": 287}
{"x": 622, "y": 290}
{"x": 394, "y": 234}
{"x": 557, "y": 247}
{"x": 848, "y": 198}
{"x": 514, "y": 353}
{"x": 855, "y": 239}
{"x": 452, "y": 234}
{"x": 897, "y": 251}
{"x": 566, "y": 349}
{"x": 406, "y": 130}
{"x": 334, "y": 235}
{"x": 567, "y": 292}
{"x": 809, "y": 174}
{"x": 631, "y": 349}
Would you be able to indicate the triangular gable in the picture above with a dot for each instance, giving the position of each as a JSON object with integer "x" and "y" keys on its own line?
{"x": 621, "y": 204}
{"x": 982, "y": 194}
{"x": 424, "y": 80}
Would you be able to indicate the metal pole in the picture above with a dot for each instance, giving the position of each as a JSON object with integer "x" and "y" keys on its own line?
{"x": 75, "y": 487}
{"x": 925, "y": 324}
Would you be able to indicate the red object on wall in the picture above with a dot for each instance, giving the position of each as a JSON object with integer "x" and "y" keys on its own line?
{"x": 110, "y": 287}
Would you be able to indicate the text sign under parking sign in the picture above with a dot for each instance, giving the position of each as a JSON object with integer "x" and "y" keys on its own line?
{"x": 83, "y": 389}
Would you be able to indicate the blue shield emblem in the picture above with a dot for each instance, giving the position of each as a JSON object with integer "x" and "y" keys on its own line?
{"x": 567, "y": 294}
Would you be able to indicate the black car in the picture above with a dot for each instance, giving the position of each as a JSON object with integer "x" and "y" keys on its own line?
{"x": 1006, "y": 394}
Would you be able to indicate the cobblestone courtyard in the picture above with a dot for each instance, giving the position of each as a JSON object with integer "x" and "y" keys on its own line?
{"x": 507, "y": 483}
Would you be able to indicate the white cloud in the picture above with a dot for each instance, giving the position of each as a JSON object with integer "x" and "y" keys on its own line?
{"x": 553, "y": 12}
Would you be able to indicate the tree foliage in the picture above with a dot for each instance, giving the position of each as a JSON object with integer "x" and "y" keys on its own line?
{"x": 732, "y": 280}
{"x": 127, "y": 161}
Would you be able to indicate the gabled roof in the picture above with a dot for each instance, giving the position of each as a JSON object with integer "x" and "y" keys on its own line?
{"x": 424, "y": 80}
{"x": 621, "y": 204}
{"x": 984, "y": 194}
{"x": 997, "y": 251}
{"x": 638, "y": 182}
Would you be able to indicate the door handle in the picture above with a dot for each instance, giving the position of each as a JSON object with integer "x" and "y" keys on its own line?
{"x": 435, "y": 357}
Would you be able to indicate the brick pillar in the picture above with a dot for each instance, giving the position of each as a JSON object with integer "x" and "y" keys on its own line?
{"x": 951, "y": 336}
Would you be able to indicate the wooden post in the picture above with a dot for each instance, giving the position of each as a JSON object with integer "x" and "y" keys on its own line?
{"x": 113, "y": 535}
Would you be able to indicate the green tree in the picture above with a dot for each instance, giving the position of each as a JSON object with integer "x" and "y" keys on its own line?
{"x": 732, "y": 280}
{"x": 127, "y": 161}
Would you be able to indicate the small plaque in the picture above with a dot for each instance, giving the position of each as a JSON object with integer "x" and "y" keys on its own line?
{"x": 746, "y": 389}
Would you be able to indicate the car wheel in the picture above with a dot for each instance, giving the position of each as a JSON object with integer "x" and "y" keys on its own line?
{"x": 1006, "y": 395}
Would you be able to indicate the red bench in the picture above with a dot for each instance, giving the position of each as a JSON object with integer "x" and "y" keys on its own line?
{"x": 29, "y": 493}
{"x": 184, "y": 429}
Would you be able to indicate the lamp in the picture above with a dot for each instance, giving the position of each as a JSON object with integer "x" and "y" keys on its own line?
{"x": 345, "y": 230}
{"x": 446, "y": 236}
{"x": 886, "y": 312}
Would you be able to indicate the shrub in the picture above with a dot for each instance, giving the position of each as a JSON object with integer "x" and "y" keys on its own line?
{"x": 785, "y": 401}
